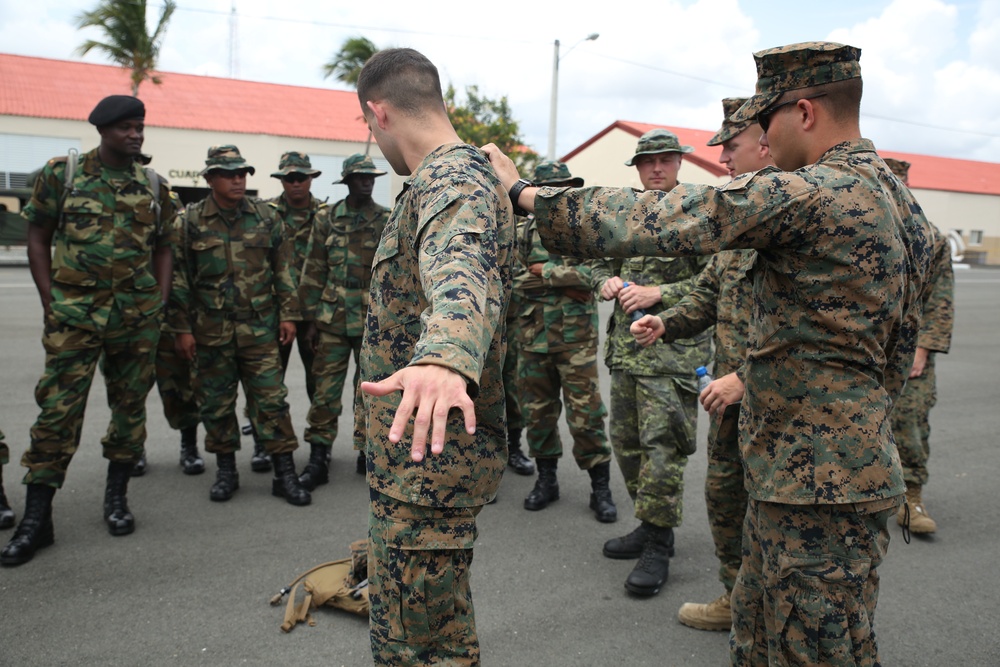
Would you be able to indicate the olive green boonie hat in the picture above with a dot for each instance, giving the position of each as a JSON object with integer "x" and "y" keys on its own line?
{"x": 658, "y": 141}
{"x": 294, "y": 162}
{"x": 553, "y": 172}
{"x": 225, "y": 158}
{"x": 730, "y": 129}
{"x": 901, "y": 168}
{"x": 358, "y": 164}
{"x": 798, "y": 66}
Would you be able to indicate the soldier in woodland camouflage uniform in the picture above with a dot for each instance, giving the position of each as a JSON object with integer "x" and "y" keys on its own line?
{"x": 516, "y": 460}
{"x": 654, "y": 393}
{"x": 233, "y": 301}
{"x": 910, "y": 424}
{"x": 6, "y": 513}
{"x": 334, "y": 290}
{"x": 558, "y": 336}
{"x": 843, "y": 255}
{"x": 721, "y": 297}
{"x": 434, "y": 341}
{"x": 102, "y": 293}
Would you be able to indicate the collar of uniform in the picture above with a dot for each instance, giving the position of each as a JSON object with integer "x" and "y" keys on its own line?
{"x": 435, "y": 155}
{"x": 90, "y": 164}
{"x": 859, "y": 145}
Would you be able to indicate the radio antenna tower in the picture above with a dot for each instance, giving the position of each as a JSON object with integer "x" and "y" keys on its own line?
{"x": 234, "y": 44}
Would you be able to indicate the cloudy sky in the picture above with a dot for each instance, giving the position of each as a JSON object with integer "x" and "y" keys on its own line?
{"x": 931, "y": 67}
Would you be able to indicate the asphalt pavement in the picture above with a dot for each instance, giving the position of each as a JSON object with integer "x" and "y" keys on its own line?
{"x": 191, "y": 585}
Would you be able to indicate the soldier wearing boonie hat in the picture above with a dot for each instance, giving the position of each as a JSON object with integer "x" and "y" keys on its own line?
{"x": 654, "y": 414}
{"x": 100, "y": 255}
{"x": 557, "y": 336}
{"x": 843, "y": 257}
{"x": 226, "y": 158}
{"x": 234, "y": 303}
{"x": 299, "y": 210}
{"x": 658, "y": 141}
{"x": 334, "y": 288}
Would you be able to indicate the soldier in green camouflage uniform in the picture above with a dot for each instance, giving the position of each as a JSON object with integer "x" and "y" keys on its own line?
{"x": 558, "y": 336}
{"x": 102, "y": 293}
{"x": 721, "y": 297}
{"x": 654, "y": 394}
{"x": 233, "y": 301}
{"x": 7, "y": 519}
{"x": 910, "y": 423}
{"x": 844, "y": 253}
{"x": 334, "y": 290}
{"x": 440, "y": 286}
{"x": 516, "y": 459}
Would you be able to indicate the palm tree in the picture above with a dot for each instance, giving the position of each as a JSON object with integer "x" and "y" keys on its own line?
{"x": 347, "y": 63}
{"x": 127, "y": 39}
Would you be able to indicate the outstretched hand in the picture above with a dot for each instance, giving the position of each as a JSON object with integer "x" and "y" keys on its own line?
{"x": 647, "y": 330}
{"x": 432, "y": 391}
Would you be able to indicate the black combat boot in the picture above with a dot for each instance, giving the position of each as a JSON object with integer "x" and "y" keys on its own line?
{"x": 35, "y": 531}
{"x": 138, "y": 468}
{"x": 600, "y": 496}
{"x": 116, "y": 513}
{"x": 630, "y": 546}
{"x": 286, "y": 483}
{"x": 651, "y": 572}
{"x": 361, "y": 465}
{"x": 260, "y": 461}
{"x": 7, "y": 519}
{"x": 191, "y": 460}
{"x": 516, "y": 459}
{"x": 317, "y": 470}
{"x": 227, "y": 480}
{"x": 546, "y": 486}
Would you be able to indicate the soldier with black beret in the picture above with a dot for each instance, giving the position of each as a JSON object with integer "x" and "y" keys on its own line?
{"x": 102, "y": 292}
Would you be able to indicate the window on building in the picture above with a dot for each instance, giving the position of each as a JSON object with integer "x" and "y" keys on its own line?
{"x": 976, "y": 237}
{"x": 21, "y": 154}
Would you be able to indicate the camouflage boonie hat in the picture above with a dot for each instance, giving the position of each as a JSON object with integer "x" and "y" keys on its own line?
{"x": 225, "y": 158}
{"x": 294, "y": 162}
{"x": 658, "y": 141}
{"x": 730, "y": 129}
{"x": 899, "y": 167}
{"x": 798, "y": 66}
{"x": 553, "y": 172}
{"x": 358, "y": 164}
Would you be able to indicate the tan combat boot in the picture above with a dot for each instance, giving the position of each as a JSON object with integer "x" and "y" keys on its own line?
{"x": 716, "y": 615}
{"x": 920, "y": 521}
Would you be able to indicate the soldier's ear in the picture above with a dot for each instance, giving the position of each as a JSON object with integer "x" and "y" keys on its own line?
{"x": 379, "y": 113}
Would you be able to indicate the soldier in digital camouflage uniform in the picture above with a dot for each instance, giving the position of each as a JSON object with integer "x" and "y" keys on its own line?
{"x": 233, "y": 302}
{"x": 654, "y": 393}
{"x": 102, "y": 292}
{"x": 440, "y": 286}
{"x": 844, "y": 253}
{"x": 721, "y": 297}
{"x": 7, "y": 519}
{"x": 558, "y": 341}
{"x": 334, "y": 290}
{"x": 910, "y": 424}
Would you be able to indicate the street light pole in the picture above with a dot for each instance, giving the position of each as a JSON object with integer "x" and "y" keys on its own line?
{"x": 554, "y": 103}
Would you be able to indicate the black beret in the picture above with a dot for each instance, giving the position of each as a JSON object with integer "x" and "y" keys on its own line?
{"x": 114, "y": 108}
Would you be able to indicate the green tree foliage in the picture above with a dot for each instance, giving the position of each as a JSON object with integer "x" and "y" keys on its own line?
{"x": 127, "y": 40}
{"x": 480, "y": 120}
{"x": 346, "y": 63}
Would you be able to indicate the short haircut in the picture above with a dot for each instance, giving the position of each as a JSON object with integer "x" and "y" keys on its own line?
{"x": 843, "y": 98}
{"x": 404, "y": 78}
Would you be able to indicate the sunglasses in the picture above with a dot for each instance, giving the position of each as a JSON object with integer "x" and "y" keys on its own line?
{"x": 294, "y": 177}
{"x": 764, "y": 117}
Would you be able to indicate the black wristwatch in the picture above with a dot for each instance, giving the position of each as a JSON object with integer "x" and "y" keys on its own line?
{"x": 515, "y": 193}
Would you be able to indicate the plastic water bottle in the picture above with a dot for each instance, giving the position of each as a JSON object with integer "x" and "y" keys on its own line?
{"x": 704, "y": 378}
{"x": 636, "y": 314}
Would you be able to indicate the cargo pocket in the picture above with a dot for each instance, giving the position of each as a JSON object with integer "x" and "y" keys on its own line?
{"x": 427, "y": 588}
{"x": 209, "y": 257}
{"x": 820, "y": 612}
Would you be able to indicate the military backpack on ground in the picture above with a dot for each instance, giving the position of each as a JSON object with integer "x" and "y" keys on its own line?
{"x": 341, "y": 583}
